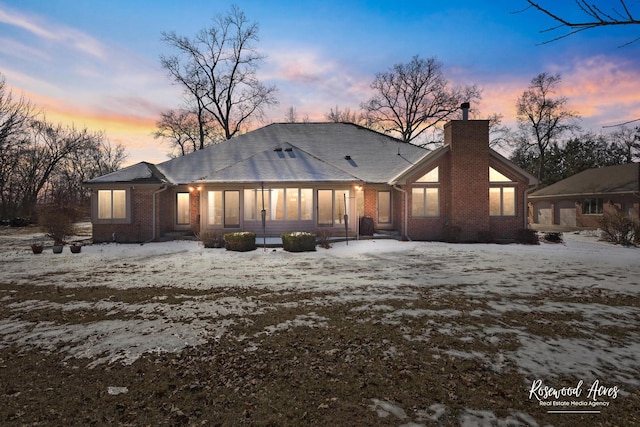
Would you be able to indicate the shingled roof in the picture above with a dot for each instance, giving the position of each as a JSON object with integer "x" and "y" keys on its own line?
{"x": 595, "y": 182}
{"x": 291, "y": 152}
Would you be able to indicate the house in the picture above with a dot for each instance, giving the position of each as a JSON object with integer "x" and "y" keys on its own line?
{"x": 580, "y": 201}
{"x": 311, "y": 176}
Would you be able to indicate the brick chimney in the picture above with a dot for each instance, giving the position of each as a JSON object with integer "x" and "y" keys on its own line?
{"x": 469, "y": 150}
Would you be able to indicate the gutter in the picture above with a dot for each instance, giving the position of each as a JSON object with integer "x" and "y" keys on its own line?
{"x": 406, "y": 212}
{"x": 153, "y": 220}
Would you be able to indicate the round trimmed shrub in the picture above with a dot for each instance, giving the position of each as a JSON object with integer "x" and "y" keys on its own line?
{"x": 242, "y": 241}
{"x": 298, "y": 241}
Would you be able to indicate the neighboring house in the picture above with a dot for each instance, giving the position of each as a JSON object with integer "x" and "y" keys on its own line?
{"x": 580, "y": 201}
{"x": 307, "y": 176}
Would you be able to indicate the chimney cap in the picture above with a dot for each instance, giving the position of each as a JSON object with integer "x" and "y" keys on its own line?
{"x": 465, "y": 105}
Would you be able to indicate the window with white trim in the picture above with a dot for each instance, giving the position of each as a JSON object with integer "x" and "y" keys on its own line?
{"x": 502, "y": 194}
{"x": 112, "y": 204}
{"x": 425, "y": 195}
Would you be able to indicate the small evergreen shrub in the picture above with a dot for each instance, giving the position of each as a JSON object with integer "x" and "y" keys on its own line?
{"x": 242, "y": 241}
{"x": 298, "y": 241}
{"x": 527, "y": 236}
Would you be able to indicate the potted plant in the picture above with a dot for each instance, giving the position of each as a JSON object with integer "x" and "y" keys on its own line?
{"x": 37, "y": 247}
{"x": 75, "y": 248}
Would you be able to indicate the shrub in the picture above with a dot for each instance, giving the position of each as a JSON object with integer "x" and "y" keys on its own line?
{"x": 57, "y": 222}
{"x": 324, "y": 235}
{"x": 553, "y": 237}
{"x": 241, "y": 241}
{"x": 298, "y": 241}
{"x": 526, "y": 236}
{"x": 620, "y": 229}
{"x": 211, "y": 239}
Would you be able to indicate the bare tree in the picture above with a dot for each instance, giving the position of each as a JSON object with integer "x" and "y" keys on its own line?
{"x": 291, "y": 116}
{"x": 217, "y": 70}
{"x": 15, "y": 115}
{"x": 342, "y": 116}
{"x": 542, "y": 118}
{"x": 186, "y": 131}
{"x": 412, "y": 98}
{"x": 595, "y": 17}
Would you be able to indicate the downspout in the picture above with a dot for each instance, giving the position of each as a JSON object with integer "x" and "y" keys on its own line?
{"x": 526, "y": 206}
{"x": 406, "y": 212}
{"x": 153, "y": 220}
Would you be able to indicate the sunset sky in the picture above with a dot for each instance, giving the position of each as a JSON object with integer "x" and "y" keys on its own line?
{"x": 96, "y": 63}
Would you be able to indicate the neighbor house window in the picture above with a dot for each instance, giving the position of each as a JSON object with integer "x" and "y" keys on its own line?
{"x": 502, "y": 201}
{"x": 112, "y": 204}
{"x": 183, "y": 215}
{"x": 592, "y": 206}
{"x": 425, "y": 195}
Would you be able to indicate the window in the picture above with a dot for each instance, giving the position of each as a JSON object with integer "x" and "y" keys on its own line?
{"x": 384, "y": 207}
{"x": 425, "y": 199}
{"x": 112, "y": 204}
{"x": 232, "y": 209}
{"x": 214, "y": 207}
{"x": 431, "y": 176}
{"x": 502, "y": 201}
{"x": 279, "y": 203}
{"x": 333, "y": 205}
{"x": 495, "y": 176}
{"x": 425, "y": 202}
{"x": 183, "y": 215}
{"x": 592, "y": 207}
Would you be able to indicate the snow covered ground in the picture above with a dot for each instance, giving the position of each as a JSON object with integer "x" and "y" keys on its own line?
{"x": 593, "y": 285}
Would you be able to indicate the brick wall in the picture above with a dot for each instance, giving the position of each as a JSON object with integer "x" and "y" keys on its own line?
{"x": 469, "y": 168}
{"x": 138, "y": 229}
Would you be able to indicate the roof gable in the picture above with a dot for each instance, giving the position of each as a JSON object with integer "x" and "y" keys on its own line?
{"x": 139, "y": 173}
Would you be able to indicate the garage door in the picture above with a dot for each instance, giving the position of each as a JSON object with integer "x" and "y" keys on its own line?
{"x": 566, "y": 213}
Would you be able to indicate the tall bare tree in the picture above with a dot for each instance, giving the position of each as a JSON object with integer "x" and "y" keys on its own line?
{"x": 415, "y": 97}
{"x": 291, "y": 116}
{"x": 594, "y": 16}
{"x": 218, "y": 72}
{"x": 543, "y": 118}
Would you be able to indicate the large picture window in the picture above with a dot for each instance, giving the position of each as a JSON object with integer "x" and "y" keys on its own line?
{"x": 112, "y": 204}
{"x": 280, "y": 204}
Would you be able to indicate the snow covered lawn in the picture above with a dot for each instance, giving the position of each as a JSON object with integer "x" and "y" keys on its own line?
{"x": 493, "y": 318}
